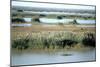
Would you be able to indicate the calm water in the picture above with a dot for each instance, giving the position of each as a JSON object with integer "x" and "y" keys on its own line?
{"x": 53, "y": 20}
{"x": 22, "y": 24}
{"x": 42, "y": 57}
{"x": 28, "y": 19}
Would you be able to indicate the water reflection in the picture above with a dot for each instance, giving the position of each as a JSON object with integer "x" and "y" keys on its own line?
{"x": 58, "y": 56}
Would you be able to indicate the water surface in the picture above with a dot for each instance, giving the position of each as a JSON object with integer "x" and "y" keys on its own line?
{"x": 64, "y": 20}
{"x": 22, "y": 25}
{"x": 58, "y": 56}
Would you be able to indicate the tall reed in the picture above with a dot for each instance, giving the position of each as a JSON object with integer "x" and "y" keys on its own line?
{"x": 48, "y": 39}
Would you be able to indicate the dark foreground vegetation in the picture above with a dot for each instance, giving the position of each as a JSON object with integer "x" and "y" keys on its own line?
{"x": 89, "y": 40}
{"x": 53, "y": 40}
{"x": 16, "y": 20}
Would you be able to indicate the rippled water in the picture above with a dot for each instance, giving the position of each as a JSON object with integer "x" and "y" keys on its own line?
{"x": 42, "y": 57}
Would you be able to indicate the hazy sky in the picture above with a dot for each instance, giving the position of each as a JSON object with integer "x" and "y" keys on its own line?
{"x": 48, "y": 5}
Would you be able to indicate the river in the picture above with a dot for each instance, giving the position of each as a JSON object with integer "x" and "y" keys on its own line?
{"x": 27, "y": 57}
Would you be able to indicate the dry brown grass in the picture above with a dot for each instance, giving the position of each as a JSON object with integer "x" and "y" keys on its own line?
{"x": 73, "y": 28}
{"x": 51, "y": 33}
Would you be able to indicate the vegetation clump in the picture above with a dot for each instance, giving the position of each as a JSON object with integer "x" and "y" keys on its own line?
{"x": 89, "y": 40}
{"x": 42, "y": 15}
{"x": 14, "y": 20}
{"x": 59, "y": 17}
{"x": 37, "y": 20}
{"x": 74, "y": 22}
{"x": 20, "y": 43}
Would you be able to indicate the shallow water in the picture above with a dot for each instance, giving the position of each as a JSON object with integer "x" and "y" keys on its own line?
{"x": 53, "y": 20}
{"x": 22, "y": 24}
{"x": 58, "y": 56}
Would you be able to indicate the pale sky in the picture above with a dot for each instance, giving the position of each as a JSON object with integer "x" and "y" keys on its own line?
{"x": 48, "y": 5}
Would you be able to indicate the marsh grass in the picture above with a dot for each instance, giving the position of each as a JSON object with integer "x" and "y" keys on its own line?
{"x": 52, "y": 40}
{"x": 89, "y": 40}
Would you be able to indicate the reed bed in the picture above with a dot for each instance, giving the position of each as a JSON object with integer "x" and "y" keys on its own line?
{"x": 51, "y": 39}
